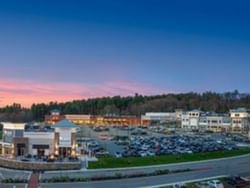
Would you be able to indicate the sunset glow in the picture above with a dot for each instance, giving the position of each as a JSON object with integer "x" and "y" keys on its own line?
{"x": 27, "y": 93}
{"x": 51, "y": 51}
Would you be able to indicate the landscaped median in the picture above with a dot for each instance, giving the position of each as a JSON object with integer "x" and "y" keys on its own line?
{"x": 113, "y": 177}
{"x": 112, "y": 162}
{"x": 38, "y": 165}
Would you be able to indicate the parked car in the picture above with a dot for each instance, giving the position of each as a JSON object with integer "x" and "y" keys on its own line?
{"x": 235, "y": 181}
{"x": 118, "y": 155}
{"x": 203, "y": 184}
{"x": 150, "y": 153}
{"x": 215, "y": 184}
{"x": 180, "y": 185}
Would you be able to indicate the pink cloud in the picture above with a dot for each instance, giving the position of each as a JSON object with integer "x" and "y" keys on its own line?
{"x": 28, "y": 92}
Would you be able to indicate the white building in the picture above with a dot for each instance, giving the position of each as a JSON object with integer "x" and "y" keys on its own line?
{"x": 161, "y": 117}
{"x": 178, "y": 114}
{"x": 11, "y": 133}
{"x": 190, "y": 120}
{"x": 236, "y": 121}
{"x": 214, "y": 122}
{"x": 65, "y": 138}
{"x": 240, "y": 120}
{"x": 58, "y": 140}
{"x": 40, "y": 143}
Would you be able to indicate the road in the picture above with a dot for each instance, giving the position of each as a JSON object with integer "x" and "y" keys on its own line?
{"x": 232, "y": 166}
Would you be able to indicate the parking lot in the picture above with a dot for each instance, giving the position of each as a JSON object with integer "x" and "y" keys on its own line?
{"x": 135, "y": 142}
{"x": 99, "y": 141}
{"x": 176, "y": 144}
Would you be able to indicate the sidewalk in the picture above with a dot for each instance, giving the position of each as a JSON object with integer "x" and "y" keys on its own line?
{"x": 33, "y": 181}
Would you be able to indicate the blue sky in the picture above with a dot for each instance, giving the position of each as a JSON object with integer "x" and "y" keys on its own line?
{"x": 122, "y": 47}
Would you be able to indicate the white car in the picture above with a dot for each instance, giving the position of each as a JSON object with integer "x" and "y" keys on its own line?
{"x": 150, "y": 153}
{"x": 143, "y": 154}
{"x": 215, "y": 184}
{"x": 179, "y": 185}
{"x": 118, "y": 155}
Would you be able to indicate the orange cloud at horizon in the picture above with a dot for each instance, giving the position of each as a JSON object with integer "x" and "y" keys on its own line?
{"x": 27, "y": 92}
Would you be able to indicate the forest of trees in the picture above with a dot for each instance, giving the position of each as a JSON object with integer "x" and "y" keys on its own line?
{"x": 15, "y": 113}
{"x": 131, "y": 105}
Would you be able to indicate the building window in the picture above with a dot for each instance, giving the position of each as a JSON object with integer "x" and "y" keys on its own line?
{"x": 21, "y": 145}
{"x": 40, "y": 146}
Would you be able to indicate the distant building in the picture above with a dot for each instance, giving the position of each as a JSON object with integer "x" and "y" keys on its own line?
{"x": 178, "y": 114}
{"x": 162, "y": 117}
{"x": 79, "y": 118}
{"x": 119, "y": 120}
{"x": 55, "y": 112}
{"x": 190, "y": 120}
{"x": 84, "y": 119}
{"x": 240, "y": 120}
{"x": 214, "y": 122}
{"x": 159, "y": 116}
{"x": 236, "y": 121}
{"x": 54, "y": 117}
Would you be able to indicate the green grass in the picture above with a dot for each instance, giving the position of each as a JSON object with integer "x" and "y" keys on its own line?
{"x": 111, "y": 162}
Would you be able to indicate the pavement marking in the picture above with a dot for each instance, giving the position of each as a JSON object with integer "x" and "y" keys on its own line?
{"x": 188, "y": 181}
{"x": 29, "y": 176}
{"x": 26, "y": 185}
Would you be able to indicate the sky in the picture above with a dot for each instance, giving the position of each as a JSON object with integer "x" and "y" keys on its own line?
{"x": 58, "y": 50}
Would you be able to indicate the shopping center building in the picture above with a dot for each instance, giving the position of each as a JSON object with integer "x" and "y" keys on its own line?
{"x": 58, "y": 140}
{"x": 84, "y": 119}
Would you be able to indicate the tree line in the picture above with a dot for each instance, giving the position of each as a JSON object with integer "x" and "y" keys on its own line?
{"x": 131, "y": 105}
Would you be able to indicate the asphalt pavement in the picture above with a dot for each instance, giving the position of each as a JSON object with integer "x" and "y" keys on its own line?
{"x": 204, "y": 169}
{"x": 108, "y": 145}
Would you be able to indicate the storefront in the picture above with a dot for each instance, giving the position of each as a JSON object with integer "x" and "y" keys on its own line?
{"x": 65, "y": 139}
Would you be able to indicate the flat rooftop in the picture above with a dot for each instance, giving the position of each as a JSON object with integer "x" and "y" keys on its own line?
{"x": 38, "y": 128}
